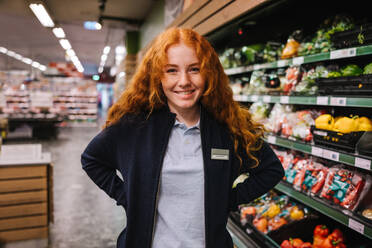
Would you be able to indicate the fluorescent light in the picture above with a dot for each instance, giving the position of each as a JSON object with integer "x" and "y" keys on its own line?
{"x": 11, "y": 53}
{"x": 70, "y": 53}
{"x": 59, "y": 33}
{"x": 90, "y": 25}
{"x": 42, "y": 15}
{"x": 3, "y": 50}
{"x": 120, "y": 50}
{"x": 27, "y": 61}
{"x": 100, "y": 69}
{"x": 80, "y": 68}
{"x": 106, "y": 50}
{"x": 35, "y": 64}
{"x": 98, "y": 26}
{"x": 42, "y": 67}
{"x": 65, "y": 44}
{"x": 18, "y": 56}
{"x": 103, "y": 57}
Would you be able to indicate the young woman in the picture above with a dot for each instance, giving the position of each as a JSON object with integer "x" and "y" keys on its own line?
{"x": 179, "y": 140}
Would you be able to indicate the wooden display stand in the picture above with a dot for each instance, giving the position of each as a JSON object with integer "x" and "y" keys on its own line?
{"x": 26, "y": 199}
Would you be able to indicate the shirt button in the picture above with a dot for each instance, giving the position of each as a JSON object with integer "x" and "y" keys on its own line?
{"x": 187, "y": 142}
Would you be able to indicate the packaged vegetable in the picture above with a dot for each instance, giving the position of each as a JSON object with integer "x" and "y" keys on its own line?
{"x": 314, "y": 179}
{"x": 260, "y": 111}
{"x": 345, "y": 187}
{"x": 351, "y": 70}
{"x": 364, "y": 124}
{"x": 367, "y": 69}
{"x": 290, "y": 49}
{"x": 325, "y": 122}
{"x": 346, "y": 124}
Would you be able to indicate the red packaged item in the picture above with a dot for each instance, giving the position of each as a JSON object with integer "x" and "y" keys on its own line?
{"x": 345, "y": 187}
{"x": 300, "y": 168}
{"x": 292, "y": 78}
{"x": 314, "y": 178}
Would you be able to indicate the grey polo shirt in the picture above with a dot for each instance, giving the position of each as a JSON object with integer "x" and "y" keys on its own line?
{"x": 180, "y": 221}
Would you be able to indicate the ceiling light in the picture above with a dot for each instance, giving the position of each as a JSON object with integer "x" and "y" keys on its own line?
{"x": 3, "y": 50}
{"x": 103, "y": 57}
{"x": 27, "y": 61}
{"x": 92, "y": 25}
{"x": 95, "y": 77}
{"x": 106, "y": 50}
{"x": 11, "y": 53}
{"x": 18, "y": 56}
{"x": 59, "y": 33}
{"x": 42, "y": 67}
{"x": 100, "y": 69}
{"x": 35, "y": 64}
{"x": 70, "y": 53}
{"x": 65, "y": 44}
{"x": 120, "y": 50}
{"x": 42, "y": 15}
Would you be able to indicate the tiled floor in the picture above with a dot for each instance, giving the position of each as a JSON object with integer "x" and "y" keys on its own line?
{"x": 84, "y": 217}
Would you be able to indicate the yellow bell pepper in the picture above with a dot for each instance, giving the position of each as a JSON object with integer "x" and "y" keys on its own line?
{"x": 296, "y": 214}
{"x": 346, "y": 124}
{"x": 325, "y": 122}
{"x": 365, "y": 124}
{"x": 273, "y": 210}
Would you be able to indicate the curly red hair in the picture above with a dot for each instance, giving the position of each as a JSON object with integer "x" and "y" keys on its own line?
{"x": 145, "y": 93}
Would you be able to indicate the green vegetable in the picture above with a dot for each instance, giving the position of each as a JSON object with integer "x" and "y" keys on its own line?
{"x": 351, "y": 70}
{"x": 332, "y": 74}
{"x": 367, "y": 69}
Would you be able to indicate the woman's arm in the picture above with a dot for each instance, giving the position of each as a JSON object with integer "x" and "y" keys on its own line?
{"x": 261, "y": 178}
{"x": 99, "y": 161}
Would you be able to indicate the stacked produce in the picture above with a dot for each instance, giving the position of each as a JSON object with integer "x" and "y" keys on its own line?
{"x": 322, "y": 238}
{"x": 271, "y": 211}
{"x": 343, "y": 124}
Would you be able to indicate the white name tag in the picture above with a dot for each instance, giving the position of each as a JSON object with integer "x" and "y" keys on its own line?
{"x": 220, "y": 154}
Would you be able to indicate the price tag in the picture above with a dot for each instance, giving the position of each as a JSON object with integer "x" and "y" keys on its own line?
{"x": 298, "y": 60}
{"x": 330, "y": 155}
{"x": 343, "y": 53}
{"x": 267, "y": 98}
{"x": 237, "y": 98}
{"x": 338, "y": 101}
{"x": 284, "y": 99}
{"x": 363, "y": 163}
{"x": 282, "y": 63}
{"x": 322, "y": 100}
{"x": 316, "y": 151}
{"x": 356, "y": 226}
{"x": 254, "y": 98}
{"x": 271, "y": 139}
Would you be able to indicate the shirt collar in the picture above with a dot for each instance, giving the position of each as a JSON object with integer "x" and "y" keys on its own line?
{"x": 183, "y": 125}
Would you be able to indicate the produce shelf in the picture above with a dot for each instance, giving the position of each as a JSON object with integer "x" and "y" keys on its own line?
{"x": 334, "y": 155}
{"x": 365, "y": 102}
{"x": 336, "y": 54}
{"x": 350, "y": 221}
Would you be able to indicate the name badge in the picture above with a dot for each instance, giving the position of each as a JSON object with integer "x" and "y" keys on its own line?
{"x": 220, "y": 154}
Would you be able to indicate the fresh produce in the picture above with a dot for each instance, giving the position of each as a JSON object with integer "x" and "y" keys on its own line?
{"x": 325, "y": 122}
{"x": 346, "y": 124}
{"x": 315, "y": 176}
{"x": 295, "y": 243}
{"x": 290, "y": 49}
{"x": 351, "y": 70}
{"x": 261, "y": 224}
{"x": 333, "y": 74}
{"x": 260, "y": 111}
{"x": 367, "y": 69}
{"x": 296, "y": 213}
{"x": 367, "y": 213}
{"x": 364, "y": 124}
{"x": 345, "y": 187}
{"x": 277, "y": 222}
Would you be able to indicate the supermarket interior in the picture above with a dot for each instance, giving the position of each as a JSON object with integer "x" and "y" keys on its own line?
{"x": 302, "y": 68}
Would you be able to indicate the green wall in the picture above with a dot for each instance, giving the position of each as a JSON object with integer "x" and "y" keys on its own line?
{"x": 153, "y": 25}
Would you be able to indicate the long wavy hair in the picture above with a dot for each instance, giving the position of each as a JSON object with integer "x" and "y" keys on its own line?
{"x": 145, "y": 94}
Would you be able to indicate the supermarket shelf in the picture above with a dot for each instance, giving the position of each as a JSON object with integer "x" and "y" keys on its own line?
{"x": 342, "y": 157}
{"x": 350, "y": 221}
{"x": 336, "y": 54}
{"x": 309, "y": 100}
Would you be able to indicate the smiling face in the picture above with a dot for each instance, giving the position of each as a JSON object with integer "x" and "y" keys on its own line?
{"x": 182, "y": 83}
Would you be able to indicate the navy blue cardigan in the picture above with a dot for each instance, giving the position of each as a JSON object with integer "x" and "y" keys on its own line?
{"x": 136, "y": 147}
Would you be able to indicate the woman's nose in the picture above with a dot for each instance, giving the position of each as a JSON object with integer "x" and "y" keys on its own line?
{"x": 184, "y": 79}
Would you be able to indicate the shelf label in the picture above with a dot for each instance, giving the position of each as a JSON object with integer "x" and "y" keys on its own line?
{"x": 284, "y": 99}
{"x": 322, "y": 100}
{"x": 316, "y": 151}
{"x": 267, "y": 98}
{"x": 363, "y": 163}
{"x": 298, "y": 60}
{"x": 271, "y": 139}
{"x": 356, "y": 226}
{"x": 338, "y": 101}
{"x": 282, "y": 63}
{"x": 343, "y": 53}
{"x": 256, "y": 67}
{"x": 331, "y": 155}
{"x": 254, "y": 98}
{"x": 237, "y": 98}
{"x": 244, "y": 98}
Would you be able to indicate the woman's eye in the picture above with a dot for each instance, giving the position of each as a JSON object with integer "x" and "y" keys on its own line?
{"x": 171, "y": 70}
{"x": 195, "y": 69}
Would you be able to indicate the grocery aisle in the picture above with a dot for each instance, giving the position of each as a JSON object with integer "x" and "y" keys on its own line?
{"x": 83, "y": 215}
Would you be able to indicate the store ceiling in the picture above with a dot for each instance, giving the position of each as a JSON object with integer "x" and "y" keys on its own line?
{"x": 21, "y": 32}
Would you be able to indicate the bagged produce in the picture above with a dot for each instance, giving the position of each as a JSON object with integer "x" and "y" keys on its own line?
{"x": 345, "y": 187}
{"x": 314, "y": 178}
{"x": 293, "y": 76}
{"x": 260, "y": 111}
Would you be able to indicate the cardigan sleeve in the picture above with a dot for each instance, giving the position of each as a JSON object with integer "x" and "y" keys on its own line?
{"x": 261, "y": 178}
{"x": 100, "y": 163}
